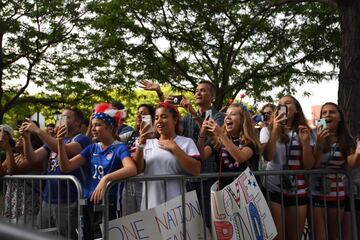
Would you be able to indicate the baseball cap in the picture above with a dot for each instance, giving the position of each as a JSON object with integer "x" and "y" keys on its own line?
{"x": 8, "y": 129}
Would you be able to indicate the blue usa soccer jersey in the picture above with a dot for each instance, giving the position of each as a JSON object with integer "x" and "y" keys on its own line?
{"x": 102, "y": 162}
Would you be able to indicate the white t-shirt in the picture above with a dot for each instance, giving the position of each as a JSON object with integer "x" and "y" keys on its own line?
{"x": 162, "y": 162}
{"x": 280, "y": 160}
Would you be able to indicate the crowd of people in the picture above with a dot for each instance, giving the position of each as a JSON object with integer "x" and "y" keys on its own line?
{"x": 205, "y": 140}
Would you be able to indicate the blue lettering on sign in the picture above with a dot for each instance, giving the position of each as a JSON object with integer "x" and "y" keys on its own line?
{"x": 256, "y": 221}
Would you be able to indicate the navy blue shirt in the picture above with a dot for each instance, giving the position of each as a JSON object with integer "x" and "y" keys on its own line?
{"x": 54, "y": 169}
{"x": 101, "y": 162}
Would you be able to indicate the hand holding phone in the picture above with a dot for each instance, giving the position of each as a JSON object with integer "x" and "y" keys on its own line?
{"x": 282, "y": 109}
{"x": 63, "y": 121}
{"x": 321, "y": 123}
{"x": 176, "y": 100}
{"x": 147, "y": 124}
{"x": 208, "y": 115}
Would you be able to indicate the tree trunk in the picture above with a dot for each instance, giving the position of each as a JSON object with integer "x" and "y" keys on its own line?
{"x": 349, "y": 78}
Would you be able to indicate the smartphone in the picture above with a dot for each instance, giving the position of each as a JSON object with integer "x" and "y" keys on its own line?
{"x": 208, "y": 115}
{"x": 282, "y": 109}
{"x": 176, "y": 100}
{"x": 321, "y": 123}
{"x": 63, "y": 121}
{"x": 146, "y": 119}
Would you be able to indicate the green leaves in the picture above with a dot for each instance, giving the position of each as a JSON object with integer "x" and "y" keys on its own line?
{"x": 251, "y": 46}
{"x": 74, "y": 48}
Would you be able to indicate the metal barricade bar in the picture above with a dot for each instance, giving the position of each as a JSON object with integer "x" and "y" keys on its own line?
{"x": 69, "y": 180}
{"x": 309, "y": 173}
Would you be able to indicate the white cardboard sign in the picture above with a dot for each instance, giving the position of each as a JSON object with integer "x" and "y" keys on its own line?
{"x": 240, "y": 211}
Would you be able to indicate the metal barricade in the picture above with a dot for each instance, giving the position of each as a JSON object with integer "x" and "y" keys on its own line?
{"x": 310, "y": 175}
{"x": 32, "y": 210}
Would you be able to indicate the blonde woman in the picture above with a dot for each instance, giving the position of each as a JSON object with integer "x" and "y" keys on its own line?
{"x": 236, "y": 143}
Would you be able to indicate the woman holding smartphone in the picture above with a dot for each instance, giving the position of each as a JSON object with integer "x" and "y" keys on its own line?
{"x": 335, "y": 149}
{"x": 107, "y": 159}
{"x": 236, "y": 143}
{"x": 20, "y": 200}
{"x": 288, "y": 145}
{"x": 169, "y": 153}
{"x": 132, "y": 196}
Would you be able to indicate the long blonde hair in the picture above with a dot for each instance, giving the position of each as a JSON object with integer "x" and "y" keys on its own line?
{"x": 247, "y": 131}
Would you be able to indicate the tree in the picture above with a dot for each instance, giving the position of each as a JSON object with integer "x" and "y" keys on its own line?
{"x": 37, "y": 41}
{"x": 239, "y": 45}
{"x": 349, "y": 56}
{"x": 349, "y": 77}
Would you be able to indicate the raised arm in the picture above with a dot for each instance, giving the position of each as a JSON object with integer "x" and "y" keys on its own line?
{"x": 353, "y": 160}
{"x": 67, "y": 165}
{"x": 138, "y": 156}
{"x": 39, "y": 155}
{"x": 270, "y": 146}
{"x": 307, "y": 150}
{"x": 151, "y": 86}
{"x": 186, "y": 104}
{"x": 321, "y": 135}
{"x": 9, "y": 164}
{"x": 240, "y": 155}
{"x": 205, "y": 151}
{"x": 71, "y": 148}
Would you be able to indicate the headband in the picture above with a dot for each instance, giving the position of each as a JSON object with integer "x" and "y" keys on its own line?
{"x": 168, "y": 105}
{"x": 105, "y": 112}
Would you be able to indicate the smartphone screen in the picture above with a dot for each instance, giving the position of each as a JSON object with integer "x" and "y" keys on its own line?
{"x": 282, "y": 109}
{"x": 63, "y": 121}
{"x": 321, "y": 123}
{"x": 147, "y": 121}
{"x": 208, "y": 115}
{"x": 176, "y": 100}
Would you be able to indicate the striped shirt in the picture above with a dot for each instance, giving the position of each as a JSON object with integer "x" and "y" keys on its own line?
{"x": 294, "y": 162}
{"x": 330, "y": 187}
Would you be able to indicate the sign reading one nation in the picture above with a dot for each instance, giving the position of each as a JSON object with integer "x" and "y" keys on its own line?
{"x": 163, "y": 222}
